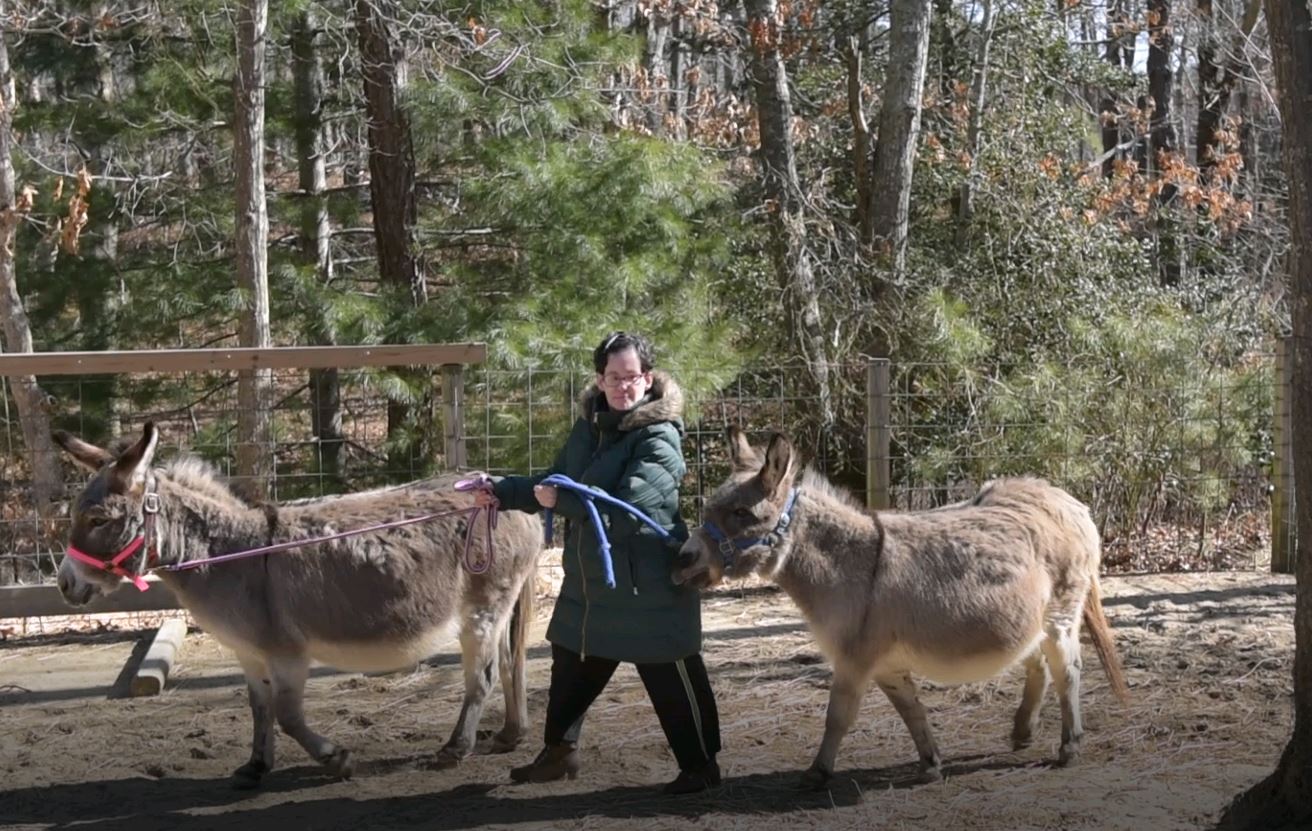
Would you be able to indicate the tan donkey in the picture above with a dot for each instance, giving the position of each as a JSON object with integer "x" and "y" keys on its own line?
{"x": 955, "y": 595}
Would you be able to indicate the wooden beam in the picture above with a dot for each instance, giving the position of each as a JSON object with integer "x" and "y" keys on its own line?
{"x": 153, "y": 671}
{"x": 45, "y": 601}
{"x": 238, "y": 358}
{"x": 1284, "y": 522}
{"x": 453, "y": 418}
{"x": 878, "y": 434}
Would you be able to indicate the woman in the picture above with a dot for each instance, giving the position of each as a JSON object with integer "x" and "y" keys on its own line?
{"x": 627, "y": 443}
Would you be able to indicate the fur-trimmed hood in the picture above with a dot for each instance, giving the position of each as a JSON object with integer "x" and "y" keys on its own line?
{"x": 663, "y": 402}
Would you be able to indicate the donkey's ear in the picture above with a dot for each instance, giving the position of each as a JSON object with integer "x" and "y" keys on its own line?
{"x": 777, "y": 472}
{"x": 130, "y": 470}
{"x": 88, "y": 455}
{"x": 740, "y": 450}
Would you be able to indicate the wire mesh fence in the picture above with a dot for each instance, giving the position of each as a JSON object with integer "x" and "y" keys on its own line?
{"x": 1178, "y": 473}
{"x": 332, "y": 431}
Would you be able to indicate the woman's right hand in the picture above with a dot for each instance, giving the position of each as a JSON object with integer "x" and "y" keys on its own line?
{"x": 484, "y": 498}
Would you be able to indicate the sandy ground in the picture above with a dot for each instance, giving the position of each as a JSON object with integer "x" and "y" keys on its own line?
{"x": 1209, "y": 658}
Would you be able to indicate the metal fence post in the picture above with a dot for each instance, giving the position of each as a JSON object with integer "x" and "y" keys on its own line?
{"x": 878, "y": 415}
{"x": 1283, "y": 527}
{"x": 453, "y": 416}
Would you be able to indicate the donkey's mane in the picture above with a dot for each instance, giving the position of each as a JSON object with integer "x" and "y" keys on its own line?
{"x": 814, "y": 482}
{"x": 199, "y": 476}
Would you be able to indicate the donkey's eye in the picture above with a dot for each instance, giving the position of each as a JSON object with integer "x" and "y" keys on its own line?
{"x": 97, "y": 520}
{"x": 744, "y": 514}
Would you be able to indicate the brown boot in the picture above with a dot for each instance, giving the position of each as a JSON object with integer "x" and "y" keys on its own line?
{"x": 695, "y": 781}
{"x": 555, "y": 761}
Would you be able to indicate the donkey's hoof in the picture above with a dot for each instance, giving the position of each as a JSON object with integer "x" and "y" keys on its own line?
{"x": 504, "y": 743}
{"x": 815, "y": 779}
{"x": 248, "y": 776}
{"x": 1021, "y": 742}
{"x": 445, "y": 759}
{"x": 339, "y": 763}
{"x": 930, "y": 775}
{"x": 1068, "y": 754}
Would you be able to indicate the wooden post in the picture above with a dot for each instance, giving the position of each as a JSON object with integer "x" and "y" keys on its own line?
{"x": 1283, "y": 526}
{"x": 153, "y": 672}
{"x": 878, "y": 434}
{"x": 453, "y": 416}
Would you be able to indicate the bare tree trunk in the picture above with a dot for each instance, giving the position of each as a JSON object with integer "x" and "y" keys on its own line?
{"x": 1161, "y": 144}
{"x": 1250, "y": 176}
{"x": 1161, "y": 39}
{"x": 789, "y": 254}
{"x": 899, "y": 129}
{"x": 657, "y": 65}
{"x": 947, "y": 50}
{"x": 391, "y": 152}
{"x": 392, "y": 195}
{"x": 316, "y": 233}
{"x": 29, "y": 398}
{"x": 1213, "y": 90}
{"x": 1216, "y": 81}
{"x": 1118, "y": 55}
{"x": 860, "y": 131}
{"x": 106, "y": 305}
{"x": 678, "y": 96}
{"x": 254, "y": 387}
{"x": 978, "y": 90}
{"x": 1284, "y": 799}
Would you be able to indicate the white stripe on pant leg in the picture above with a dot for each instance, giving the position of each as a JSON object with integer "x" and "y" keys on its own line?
{"x": 692, "y": 699}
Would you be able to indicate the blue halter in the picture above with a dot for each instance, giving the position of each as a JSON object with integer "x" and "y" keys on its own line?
{"x": 729, "y": 548}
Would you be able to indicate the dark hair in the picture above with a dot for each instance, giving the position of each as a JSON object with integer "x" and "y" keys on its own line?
{"x": 617, "y": 342}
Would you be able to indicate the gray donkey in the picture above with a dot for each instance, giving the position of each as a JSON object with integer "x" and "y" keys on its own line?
{"x": 956, "y": 594}
{"x": 373, "y": 602}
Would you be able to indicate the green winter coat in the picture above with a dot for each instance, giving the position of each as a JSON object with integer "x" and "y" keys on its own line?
{"x": 636, "y": 456}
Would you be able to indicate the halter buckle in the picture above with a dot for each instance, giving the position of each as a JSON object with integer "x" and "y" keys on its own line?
{"x": 150, "y": 504}
{"x": 726, "y": 548}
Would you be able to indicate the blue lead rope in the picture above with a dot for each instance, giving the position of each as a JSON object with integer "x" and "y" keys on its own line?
{"x": 590, "y": 496}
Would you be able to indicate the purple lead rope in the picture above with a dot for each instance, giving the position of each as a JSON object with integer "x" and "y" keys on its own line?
{"x": 480, "y": 482}
{"x": 474, "y": 567}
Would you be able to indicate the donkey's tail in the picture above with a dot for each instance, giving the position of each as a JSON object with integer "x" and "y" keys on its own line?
{"x": 520, "y": 621}
{"x": 1101, "y": 634}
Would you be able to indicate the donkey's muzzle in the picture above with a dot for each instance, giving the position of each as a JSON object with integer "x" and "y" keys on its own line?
{"x": 75, "y": 593}
{"x": 685, "y": 558}
{"x": 685, "y": 563}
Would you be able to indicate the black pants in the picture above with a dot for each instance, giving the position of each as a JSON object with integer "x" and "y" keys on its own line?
{"x": 680, "y": 691}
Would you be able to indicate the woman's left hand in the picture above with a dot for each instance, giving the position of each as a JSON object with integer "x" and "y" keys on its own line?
{"x": 545, "y": 495}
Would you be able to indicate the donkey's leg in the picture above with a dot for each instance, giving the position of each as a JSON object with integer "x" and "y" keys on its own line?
{"x": 512, "y": 688}
{"x": 515, "y": 621}
{"x": 902, "y": 691}
{"x": 1061, "y": 647}
{"x": 479, "y": 640}
{"x": 289, "y": 677}
{"x": 846, "y": 690}
{"x": 1027, "y": 714}
{"x": 259, "y": 689}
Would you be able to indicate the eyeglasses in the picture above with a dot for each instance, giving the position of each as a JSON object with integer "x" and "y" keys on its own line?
{"x": 618, "y": 382}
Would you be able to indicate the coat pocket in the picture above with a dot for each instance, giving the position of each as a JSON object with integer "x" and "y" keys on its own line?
{"x": 650, "y": 561}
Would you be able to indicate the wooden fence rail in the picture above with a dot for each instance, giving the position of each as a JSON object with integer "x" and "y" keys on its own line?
{"x": 450, "y": 358}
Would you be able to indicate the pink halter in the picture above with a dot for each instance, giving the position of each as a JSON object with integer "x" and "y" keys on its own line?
{"x": 149, "y": 507}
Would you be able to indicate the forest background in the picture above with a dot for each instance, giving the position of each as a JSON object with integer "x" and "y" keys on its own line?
{"x": 1063, "y": 223}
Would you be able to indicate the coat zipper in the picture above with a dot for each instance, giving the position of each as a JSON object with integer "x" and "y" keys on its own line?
{"x": 583, "y": 577}
{"x": 587, "y": 606}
